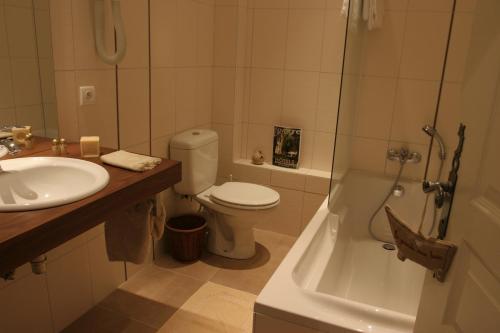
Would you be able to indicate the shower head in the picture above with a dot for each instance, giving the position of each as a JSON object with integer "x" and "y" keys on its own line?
{"x": 432, "y": 132}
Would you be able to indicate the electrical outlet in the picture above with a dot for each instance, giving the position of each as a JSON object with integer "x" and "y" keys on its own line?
{"x": 87, "y": 95}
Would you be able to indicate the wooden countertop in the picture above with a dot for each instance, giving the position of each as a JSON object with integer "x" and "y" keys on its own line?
{"x": 26, "y": 235}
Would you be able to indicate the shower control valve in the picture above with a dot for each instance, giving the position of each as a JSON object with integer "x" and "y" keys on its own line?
{"x": 403, "y": 155}
{"x": 443, "y": 191}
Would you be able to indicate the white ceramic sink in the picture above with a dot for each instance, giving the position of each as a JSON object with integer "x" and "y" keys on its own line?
{"x": 41, "y": 182}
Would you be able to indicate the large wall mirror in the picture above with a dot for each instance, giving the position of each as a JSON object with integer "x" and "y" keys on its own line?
{"x": 27, "y": 89}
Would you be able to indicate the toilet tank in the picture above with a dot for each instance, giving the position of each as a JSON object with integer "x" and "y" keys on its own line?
{"x": 198, "y": 151}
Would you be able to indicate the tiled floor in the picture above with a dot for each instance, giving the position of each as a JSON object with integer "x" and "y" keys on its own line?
{"x": 211, "y": 295}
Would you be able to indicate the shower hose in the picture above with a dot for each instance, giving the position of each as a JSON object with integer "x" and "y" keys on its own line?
{"x": 389, "y": 193}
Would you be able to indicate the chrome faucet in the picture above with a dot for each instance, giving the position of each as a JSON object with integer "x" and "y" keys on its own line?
{"x": 443, "y": 191}
{"x": 403, "y": 155}
{"x": 11, "y": 146}
{"x": 433, "y": 133}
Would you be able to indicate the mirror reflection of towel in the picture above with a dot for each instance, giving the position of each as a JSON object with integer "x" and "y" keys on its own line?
{"x": 129, "y": 232}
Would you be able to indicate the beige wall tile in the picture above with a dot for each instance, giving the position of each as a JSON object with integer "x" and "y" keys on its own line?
{"x": 252, "y": 173}
{"x": 26, "y": 81}
{"x": 459, "y": 45}
{"x": 424, "y": 45}
{"x": 269, "y": 38}
{"x": 19, "y": 3}
{"x": 466, "y": 5}
{"x": 323, "y": 151}
{"x": 225, "y": 36}
{"x": 133, "y": 99}
{"x": 304, "y": 41}
{"x": 6, "y": 89}
{"x": 225, "y": 132}
{"x": 260, "y": 138}
{"x": 396, "y": 5}
{"x": 333, "y": 42}
{"x": 20, "y": 31}
{"x": 382, "y": 51}
{"x": 8, "y": 116}
{"x": 266, "y": 89}
{"x": 32, "y": 115}
{"x": 185, "y": 98}
{"x": 308, "y": 4}
{"x": 415, "y": 106}
{"x": 300, "y": 99}
{"x": 449, "y": 113}
{"x": 162, "y": 101}
{"x": 289, "y": 179}
{"x": 83, "y": 36}
{"x": 66, "y": 105}
{"x": 368, "y": 154}
{"x": 337, "y": 4}
{"x": 42, "y": 4}
{"x": 311, "y": 204}
{"x": 47, "y": 83}
{"x": 317, "y": 184}
{"x": 185, "y": 35}
{"x": 205, "y": 34}
{"x": 100, "y": 118}
{"x": 375, "y": 107}
{"x": 244, "y": 30}
{"x": 163, "y": 23}
{"x": 62, "y": 34}
{"x": 269, "y": 3}
{"x": 4, "y": 46}
{"x": 430, "y": 5}
{"x": 224, "y": 95}
{"x": 286, "y": 218}
{"x": 135, "y": 14}
{"x": 43, "y": 34}
{"x": 328, "y": 102}
{"x": 160, "y": 146}
{"x": 226, "y": 2}
{"x": 204, "y": 92}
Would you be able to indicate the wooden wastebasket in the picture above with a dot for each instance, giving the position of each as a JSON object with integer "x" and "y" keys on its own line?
{"x": 186, "y": 236}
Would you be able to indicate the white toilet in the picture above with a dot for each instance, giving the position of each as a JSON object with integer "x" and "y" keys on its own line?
{"x": 234, "y": 207}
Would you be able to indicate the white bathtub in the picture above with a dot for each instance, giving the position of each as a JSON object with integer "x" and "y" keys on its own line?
{"x": 336, "y": 278}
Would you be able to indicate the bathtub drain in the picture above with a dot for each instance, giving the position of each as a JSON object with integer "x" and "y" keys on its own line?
{"x": 389, "y": 247}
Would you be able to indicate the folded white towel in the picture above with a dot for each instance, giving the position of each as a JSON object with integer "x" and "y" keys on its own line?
{"x": 130, "y": 161}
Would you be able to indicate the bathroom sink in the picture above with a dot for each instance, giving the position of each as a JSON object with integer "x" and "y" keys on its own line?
{"x": 41, "y": 182}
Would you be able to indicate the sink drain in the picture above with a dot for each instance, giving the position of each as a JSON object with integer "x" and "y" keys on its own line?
{"x": 389, "y": 247}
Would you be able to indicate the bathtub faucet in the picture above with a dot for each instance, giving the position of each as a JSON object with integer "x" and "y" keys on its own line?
{"x": 403, "y": 155}
{"x": 443, "y": 191}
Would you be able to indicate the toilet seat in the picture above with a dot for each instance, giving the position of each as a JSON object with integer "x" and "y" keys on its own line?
{"x": 245, "y": 196}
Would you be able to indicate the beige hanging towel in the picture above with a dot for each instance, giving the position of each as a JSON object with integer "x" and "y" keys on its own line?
{"x": 129, "y": 232}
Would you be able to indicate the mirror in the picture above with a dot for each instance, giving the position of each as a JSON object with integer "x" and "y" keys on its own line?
{"x": 27, "y": 84}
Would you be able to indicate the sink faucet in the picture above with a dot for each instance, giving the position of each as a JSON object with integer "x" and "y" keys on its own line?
{"x": 11, "y": 146}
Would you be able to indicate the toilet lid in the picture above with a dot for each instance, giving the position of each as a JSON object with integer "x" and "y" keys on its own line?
{"x": 245, "y": 194}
